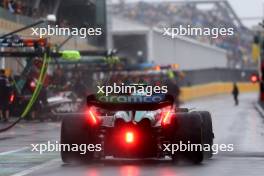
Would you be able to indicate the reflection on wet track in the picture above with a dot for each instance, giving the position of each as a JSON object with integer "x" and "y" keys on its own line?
{"x": 241, "y": 126}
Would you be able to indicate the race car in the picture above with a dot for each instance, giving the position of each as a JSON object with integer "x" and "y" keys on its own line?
{"x": 64, "y": 102}
{"x": 137, "y": 127}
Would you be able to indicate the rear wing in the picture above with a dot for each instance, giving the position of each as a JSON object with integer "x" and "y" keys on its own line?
{"x": 130, "y": 103}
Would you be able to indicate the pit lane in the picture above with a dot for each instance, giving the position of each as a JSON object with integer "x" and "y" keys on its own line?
{"x": 241, "y": 126}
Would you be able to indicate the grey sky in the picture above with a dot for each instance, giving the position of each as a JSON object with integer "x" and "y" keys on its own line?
{"x": 244, "y": 8}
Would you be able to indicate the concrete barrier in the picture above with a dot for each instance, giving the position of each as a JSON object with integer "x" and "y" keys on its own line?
{"x": 205, "y": 90}
{"x": 188, "y": 53}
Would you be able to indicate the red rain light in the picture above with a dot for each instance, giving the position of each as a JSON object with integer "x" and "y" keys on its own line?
{"x": 12, "y": 98}
{"x": 254, "y": 78}
{"x": 129, "y": 137}
{"x": 33, "y": 84}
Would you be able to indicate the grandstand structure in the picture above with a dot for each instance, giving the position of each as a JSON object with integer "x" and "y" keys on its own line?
{"x": 197, "y": 13}
{"x": 222, "y": 8}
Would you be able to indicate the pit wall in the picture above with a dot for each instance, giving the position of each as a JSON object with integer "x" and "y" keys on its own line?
{"x": 218, "y": 88}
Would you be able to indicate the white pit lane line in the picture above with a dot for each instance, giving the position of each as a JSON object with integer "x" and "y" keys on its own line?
{"x": 35, "y": 168}
{"x": 14, "y": 151}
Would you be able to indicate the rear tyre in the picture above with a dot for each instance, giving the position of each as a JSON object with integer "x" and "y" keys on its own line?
{"x": 208, "y": 135}
{"x": 75, "y": 132}
{"x": 188, "y": 132}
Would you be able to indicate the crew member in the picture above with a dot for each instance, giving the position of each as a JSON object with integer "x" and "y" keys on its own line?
{"x": 174, "y": 90}
{"x": 235, "y": 93}
{"x": 4, "y": 96}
